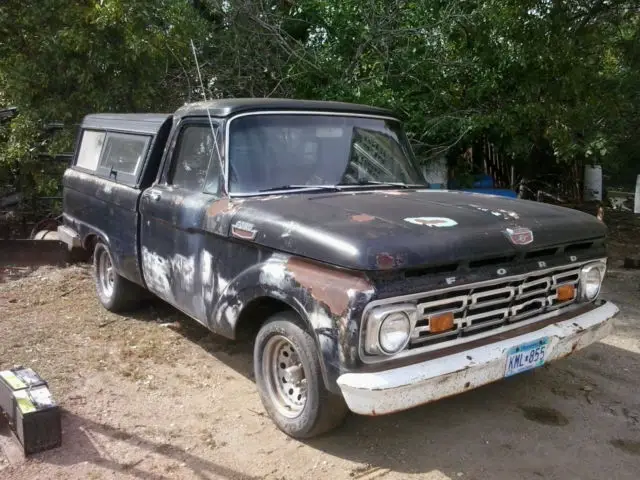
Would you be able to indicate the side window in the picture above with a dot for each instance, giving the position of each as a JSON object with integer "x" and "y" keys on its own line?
{"x": 124, "y": 153}
{"x": 90, "y": 148}
{"x": 196, "y": 165}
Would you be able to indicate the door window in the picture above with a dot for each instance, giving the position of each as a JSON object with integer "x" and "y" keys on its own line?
{"x": 196, "y": 164}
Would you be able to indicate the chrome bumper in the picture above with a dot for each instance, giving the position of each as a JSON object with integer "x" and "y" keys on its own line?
{"x": 406, "y": 387}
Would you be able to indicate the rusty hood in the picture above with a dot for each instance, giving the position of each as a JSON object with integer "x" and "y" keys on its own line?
{"x": 370, "y": 230}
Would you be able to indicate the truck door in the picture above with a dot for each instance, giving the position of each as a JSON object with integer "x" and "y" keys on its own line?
{"x": 177, "y": 254}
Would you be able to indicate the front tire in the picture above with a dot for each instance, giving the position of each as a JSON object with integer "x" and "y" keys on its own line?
{"x": 115, "y": 292}
{"x": 289, "y": 379}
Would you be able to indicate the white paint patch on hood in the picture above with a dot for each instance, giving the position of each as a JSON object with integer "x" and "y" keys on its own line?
{"x": 507, "y": 213}
{"x": 498, "y": 212}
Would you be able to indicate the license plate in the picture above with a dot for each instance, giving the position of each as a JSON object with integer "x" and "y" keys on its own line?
{"x": 526, "y": 356}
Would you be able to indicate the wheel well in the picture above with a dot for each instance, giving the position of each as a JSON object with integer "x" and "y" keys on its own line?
{"x": 255, "y": 313}
{"x": 90, "y": 243}
{"x": 85, "y": 252}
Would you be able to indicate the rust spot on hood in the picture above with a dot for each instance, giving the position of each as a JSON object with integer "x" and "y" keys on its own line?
{"x": 327, "y": 285}
{"x": 217, "y": 207}
{"x": 362, "y": 218}
{"x": 223, "y": 205}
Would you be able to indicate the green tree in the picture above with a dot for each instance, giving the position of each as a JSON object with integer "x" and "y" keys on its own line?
{"x": 540, "y": 79}
{"x": 61, "y": 60}
{"x": 536, "y": 77}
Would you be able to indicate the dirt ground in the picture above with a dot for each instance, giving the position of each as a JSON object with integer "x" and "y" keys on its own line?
{"x": 154, "y": 396}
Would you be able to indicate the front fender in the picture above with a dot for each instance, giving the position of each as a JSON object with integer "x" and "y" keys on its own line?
{"x": 328, "y": 300}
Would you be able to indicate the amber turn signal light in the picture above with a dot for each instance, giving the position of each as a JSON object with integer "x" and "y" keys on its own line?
{"x": 441, "y": 323}
{"x": 566, "y": 292}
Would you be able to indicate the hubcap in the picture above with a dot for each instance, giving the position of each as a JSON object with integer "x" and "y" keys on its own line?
{"x": 284, "y": 373}
{"x": 105, "y": 273}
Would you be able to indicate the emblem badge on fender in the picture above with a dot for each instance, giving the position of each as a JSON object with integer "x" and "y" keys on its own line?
{"x": 243, "y": 230}
{"x": 519, "y": 236}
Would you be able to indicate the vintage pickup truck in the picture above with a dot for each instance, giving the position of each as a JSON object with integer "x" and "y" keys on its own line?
{"x": 306, "y": 228}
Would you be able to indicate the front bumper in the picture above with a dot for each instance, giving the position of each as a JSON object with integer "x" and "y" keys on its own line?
{"x": 406, "y": 387}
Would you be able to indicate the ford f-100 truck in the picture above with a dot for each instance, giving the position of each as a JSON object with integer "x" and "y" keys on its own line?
{"x": 307, "y": 228}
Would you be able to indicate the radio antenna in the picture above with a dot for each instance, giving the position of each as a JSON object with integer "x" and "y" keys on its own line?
{"x": 213, "y": 131}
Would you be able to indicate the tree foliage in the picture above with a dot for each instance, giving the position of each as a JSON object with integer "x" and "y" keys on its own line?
{"x": 60, "y": 60}
{"x": 536, "y": 77}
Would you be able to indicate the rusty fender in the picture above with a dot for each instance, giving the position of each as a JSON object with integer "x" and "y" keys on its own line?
{"x": 409, "y": 386}
{"x": 219, "y": 214}
{"x": 330, "y": 301}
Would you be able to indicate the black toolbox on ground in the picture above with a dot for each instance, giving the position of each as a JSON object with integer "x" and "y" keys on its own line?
{"x": 26, "y": 401}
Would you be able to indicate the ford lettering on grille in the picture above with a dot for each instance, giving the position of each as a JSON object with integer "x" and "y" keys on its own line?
{"x": 489, "y": 305}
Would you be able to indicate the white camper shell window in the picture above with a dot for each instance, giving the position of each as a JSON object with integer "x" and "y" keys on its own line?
{"x": 123, "y": 153}
{"x": 90, "y": 148}
{"x": 117, "y": 156}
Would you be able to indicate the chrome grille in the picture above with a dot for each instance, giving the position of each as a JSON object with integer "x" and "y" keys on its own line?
{"x": 488, "y": 305}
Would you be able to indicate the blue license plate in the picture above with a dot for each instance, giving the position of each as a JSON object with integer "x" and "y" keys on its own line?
{"x": 526, "y": 356}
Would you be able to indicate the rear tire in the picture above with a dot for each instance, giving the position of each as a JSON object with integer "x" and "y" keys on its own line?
{"x": 116, "y": 293}
{"x": 289, "y": 379}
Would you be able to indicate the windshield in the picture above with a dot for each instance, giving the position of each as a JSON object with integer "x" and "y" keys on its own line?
{"x": 271, "y": 151}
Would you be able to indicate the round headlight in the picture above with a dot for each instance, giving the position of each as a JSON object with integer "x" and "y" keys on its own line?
{"x": 394, "y": 332}
{"x": 591, "y": 281}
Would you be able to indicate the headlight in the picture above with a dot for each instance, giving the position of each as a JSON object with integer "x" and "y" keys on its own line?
{"x": 591, "y": 278}
{"x": 394, "y": 332}
{"x": 387, "y": 330}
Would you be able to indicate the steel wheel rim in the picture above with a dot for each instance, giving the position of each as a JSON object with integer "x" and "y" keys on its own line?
{"x": 106, "y": 273}
{"x": 285, "y": 376}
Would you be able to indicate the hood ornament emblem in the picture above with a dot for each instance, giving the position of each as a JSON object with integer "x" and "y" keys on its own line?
{"x": 519, "y": 236}
{"x": 432, "y": 221}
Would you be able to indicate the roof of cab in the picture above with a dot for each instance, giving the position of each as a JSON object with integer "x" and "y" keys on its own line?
{"x": 150, "y": 123}
{"x": 147, "y": 123}
{"x": 231, "y": 106}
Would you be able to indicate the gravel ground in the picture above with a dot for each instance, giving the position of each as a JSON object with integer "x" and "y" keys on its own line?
{"x": 154, "y": 396}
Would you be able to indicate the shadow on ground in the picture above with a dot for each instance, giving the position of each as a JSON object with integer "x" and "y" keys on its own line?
{"x": 566, "y": 420}
{"x": 235, "y": 354}
{"x": 83, "y": 444}
{"x": 570, "y": 419}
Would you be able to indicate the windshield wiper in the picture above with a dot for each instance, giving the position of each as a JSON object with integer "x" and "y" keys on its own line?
{"x": 325, "y": 188}
{"x": 383, "y": 184}
{"x": 340, "y": 186}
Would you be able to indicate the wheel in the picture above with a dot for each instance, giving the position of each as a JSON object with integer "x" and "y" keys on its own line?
{"x": 289, "y": 379}
{"x": 115, "y": 292}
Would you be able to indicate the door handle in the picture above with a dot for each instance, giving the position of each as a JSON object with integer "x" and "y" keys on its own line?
{"x": 154, "y": 196}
